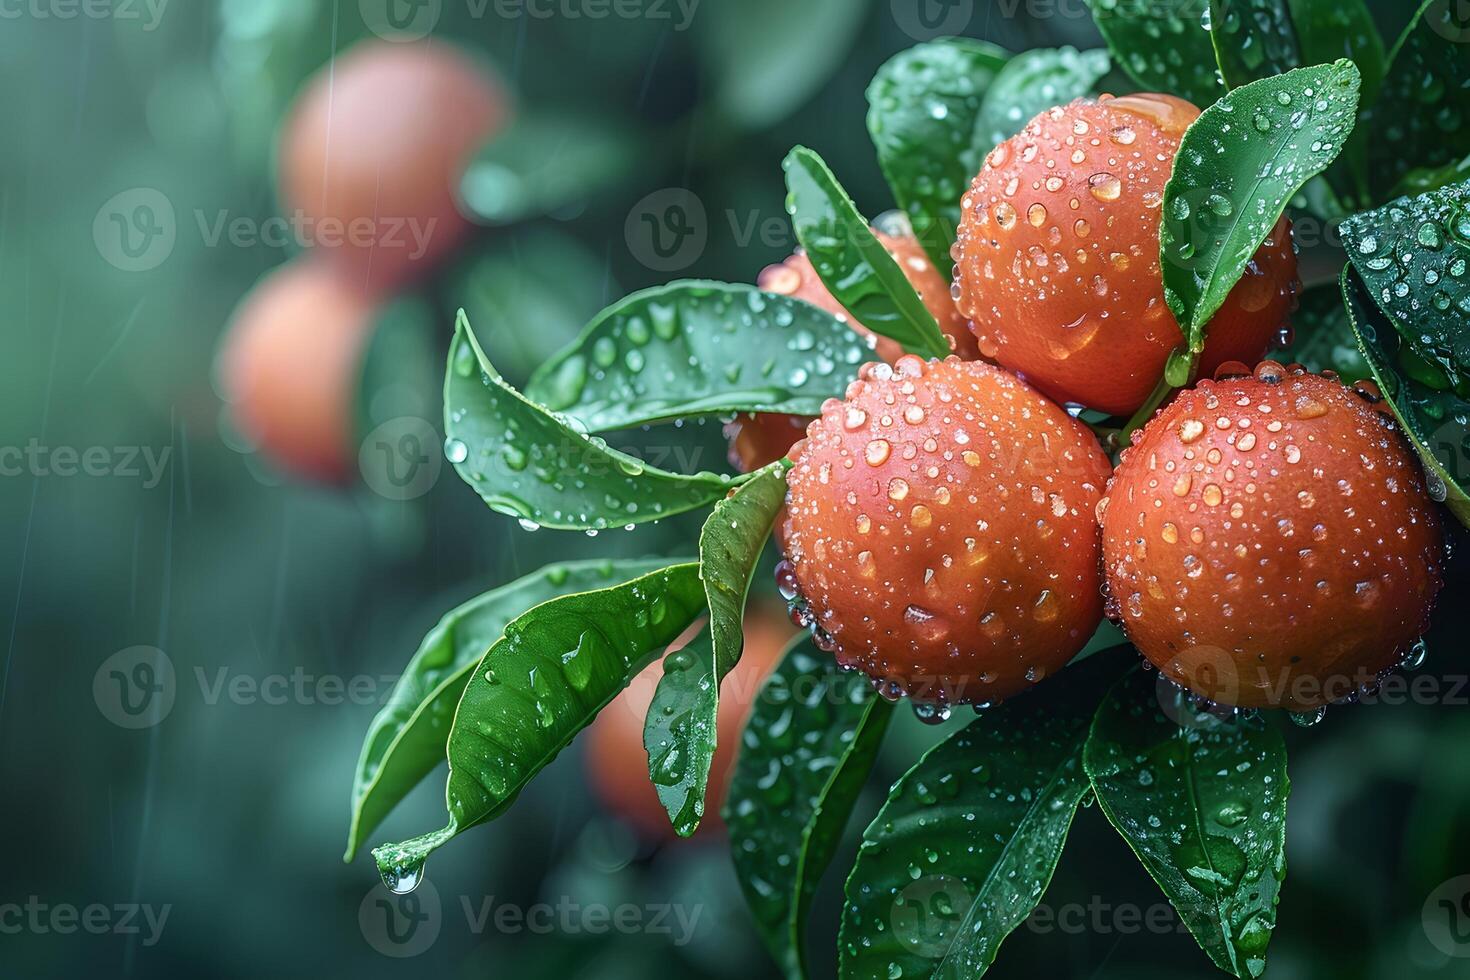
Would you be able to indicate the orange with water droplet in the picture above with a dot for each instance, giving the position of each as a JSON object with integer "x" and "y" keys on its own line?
{"x": 1111, "y": 194}
{"x": 981, "y": 524}
{"x": 1321, "y": 598}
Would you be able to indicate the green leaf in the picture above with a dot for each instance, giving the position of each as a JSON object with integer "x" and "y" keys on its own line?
{"x": 962, "y": 851}
{"x": 1422, "y": 117}
{"x": 1033, "y": 82}
{"x": 1414, "y": 256}
{"x": 764, "y": 57}
{"x": 1422, "y": 180}
{"x": 1203, "y": 807}
{"x": 1253, "y": 39}
{"x": 854, "y": 266}
{"x": 1437, "y": 421}
{"x": 680, "y": 731}
{"x": 1324, "y": 339}
{"x": 1239, "y": 164}
{"x": 546, "y": 163}
{"x": 1162, "y": 44}
{"x": 529, "y": 464}
{"x": 700, "y": 348}
{"x": 540, "y": 684}
{"x": 922, "y": 108}
{"x": 1331, "y": 29}
{"x": 407, "y": 738}
{"x": 808, "y": 748}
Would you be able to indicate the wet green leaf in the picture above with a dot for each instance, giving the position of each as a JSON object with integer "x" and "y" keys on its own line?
{"x": 1324, "y": 338}
{"x": 1238, "y": 166}
{"x": 1032, "y": 82}
{"x": 680, "y": 731}
{"x": 1253, "y": 39}
{"x": 962, "y": 851}
{"x": 407, "y": 738}
{"x": 1436, "y": 420}
{"x": 807, "y": 750}
{"x": 1203, "y": 805}
{"x": 851, "y": 262}
{"x": 922, "y": 108}
{"x": 1414, "y": 256}
{"x": 532, "y": 465}
{"x": 700, "y": 348}
{"x": 546, "y": 163}
{"x": 540, "y": 684}
{"x": 1162, "y": 44}
{"x": 1422, "y": 117}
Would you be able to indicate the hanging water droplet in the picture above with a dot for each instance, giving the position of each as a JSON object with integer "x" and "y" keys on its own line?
{"x": 1306, "y": 719}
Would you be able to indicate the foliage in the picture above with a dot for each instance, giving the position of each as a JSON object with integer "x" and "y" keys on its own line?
{"x": 969, "y": 838}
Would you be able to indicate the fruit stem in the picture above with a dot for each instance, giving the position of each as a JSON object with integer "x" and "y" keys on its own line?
{"x": 1140, "y": 418}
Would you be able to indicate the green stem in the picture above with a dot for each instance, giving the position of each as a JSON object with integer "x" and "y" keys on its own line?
{"x": 1161, "y": 391}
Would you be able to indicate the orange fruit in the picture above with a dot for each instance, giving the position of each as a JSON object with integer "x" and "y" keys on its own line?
{"x": 372, "y": 153}
{"x": 1269, "y": 541}
{"x": 1058, "y": 257}
{"x": 291, "y": 364}
{"x": 941, "y": 531}
{"x": 616, "y": 762}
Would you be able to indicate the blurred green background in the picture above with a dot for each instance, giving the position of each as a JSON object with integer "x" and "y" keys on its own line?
{"x": 229, "y": 815}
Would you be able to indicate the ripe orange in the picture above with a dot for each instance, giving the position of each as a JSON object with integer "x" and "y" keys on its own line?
{"x": 1269, "y": 541}
{"x": 616, "y": 761}
{"x": 758, "y": 440}
{"x": 940, "y": 530}
{"x": 373, "y": 151}
{"x": 1058, "y": 256}
{"x": 290, "y": 366}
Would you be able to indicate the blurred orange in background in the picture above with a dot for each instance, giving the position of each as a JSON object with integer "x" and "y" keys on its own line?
{"x": 616, "y": 761}
{"x": 372, "y": 153}
{"x": 290, "y": 367}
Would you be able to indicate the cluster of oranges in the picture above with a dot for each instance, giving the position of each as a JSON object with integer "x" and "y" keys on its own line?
{"x": 370, "y": 160}
{"x": 953, "y": 530}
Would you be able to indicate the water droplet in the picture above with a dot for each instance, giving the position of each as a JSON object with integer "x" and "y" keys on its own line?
{"x": 1105, "y": 187}
{"x": 1306, "y": 719}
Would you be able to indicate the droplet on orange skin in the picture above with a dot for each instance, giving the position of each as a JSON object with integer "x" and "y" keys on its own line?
{"x": 959, "y": 595}
{"x": 1021, "y": 283}
{"x": 1266, "y": 539}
